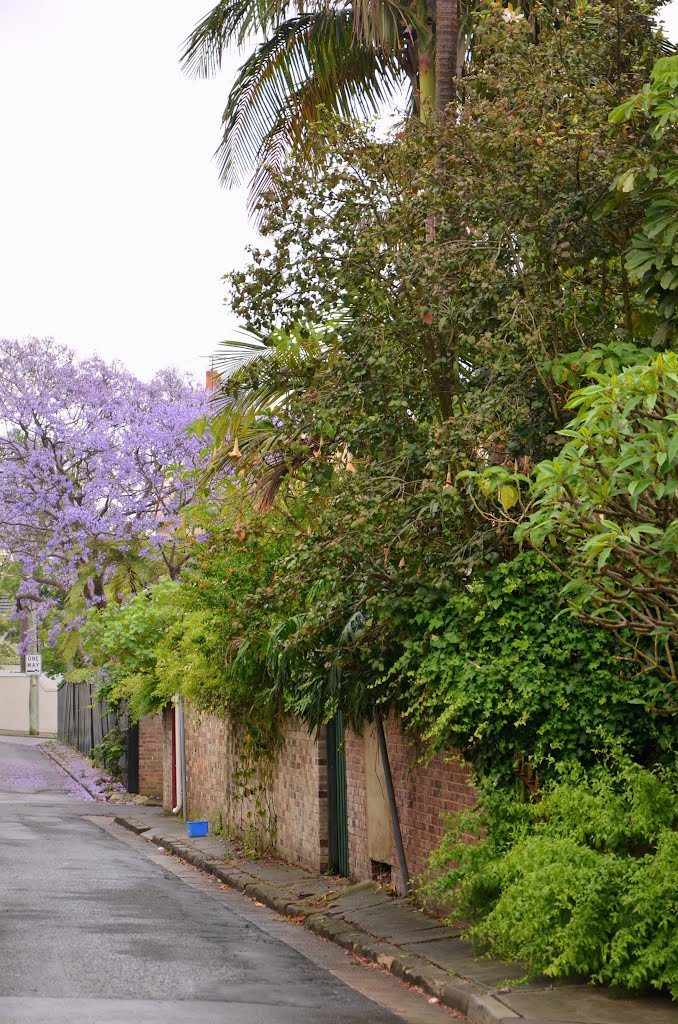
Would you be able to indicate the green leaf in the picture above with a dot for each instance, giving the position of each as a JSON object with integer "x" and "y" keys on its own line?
{"x": 508, "y": 496}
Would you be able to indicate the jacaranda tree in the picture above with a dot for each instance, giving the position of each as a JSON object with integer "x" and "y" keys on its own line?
{"x": 91, "y": 484}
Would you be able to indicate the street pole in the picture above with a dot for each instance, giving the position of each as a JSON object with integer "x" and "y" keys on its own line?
{"x": 22, "y": 635}
{"x": 34, "y": 680}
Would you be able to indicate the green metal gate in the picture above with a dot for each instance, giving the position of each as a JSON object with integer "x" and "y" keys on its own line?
{"x": 337, "y": 816}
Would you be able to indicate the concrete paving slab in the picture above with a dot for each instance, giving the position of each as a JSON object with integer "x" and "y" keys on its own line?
{"x": 456, "y": 955}
{"x": 329, "y": 927}
{"x": 311, "y": 894}
{"x": 213, "y": 846}
{"x": 363, "y": 899}
{"x": 392, "y": 921}
{"x": 269, "y": 871}
{"x": 580, "y": 1004}
{"x": 435, "y": 935}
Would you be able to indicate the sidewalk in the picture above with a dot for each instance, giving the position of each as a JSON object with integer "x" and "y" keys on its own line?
{"x": 374, "y": 924}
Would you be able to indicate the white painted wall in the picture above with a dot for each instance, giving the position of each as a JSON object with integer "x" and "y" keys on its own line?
{"x": 14, "y": 704}
{"x": 14, "y": 690}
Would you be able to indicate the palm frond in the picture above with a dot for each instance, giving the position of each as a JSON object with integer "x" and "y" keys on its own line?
{"x": 234, "y": 353}
{"x": 310, "y": 63}
{"x": 234, "y": 407}
{"x": 253, "y": 434}
{"x": 383, "y": 23}
{"x": 230, "y": 22}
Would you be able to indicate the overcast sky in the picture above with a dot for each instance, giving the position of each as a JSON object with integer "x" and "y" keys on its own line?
{"x": 114, "y": 233}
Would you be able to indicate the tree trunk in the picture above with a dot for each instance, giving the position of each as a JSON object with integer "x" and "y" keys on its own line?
{"x": 446, "y": 53}
{"x": 426, "y": 98}
{"x": 427, "y": 85}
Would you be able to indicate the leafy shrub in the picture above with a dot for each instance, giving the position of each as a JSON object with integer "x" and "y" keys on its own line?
{"x": 109, "y": 752}
{"x": 505, "y": 670}
{"x": 582, "y": 882}
{"x": 122, "y": 641}
{"x": 609, "y": 498}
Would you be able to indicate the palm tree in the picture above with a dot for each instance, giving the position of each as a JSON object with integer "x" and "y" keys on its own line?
{"x": 322, "y": 55}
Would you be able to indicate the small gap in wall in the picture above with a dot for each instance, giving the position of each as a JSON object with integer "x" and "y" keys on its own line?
{"x": 381, "y": 872}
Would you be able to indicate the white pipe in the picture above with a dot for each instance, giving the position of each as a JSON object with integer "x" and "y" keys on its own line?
{"x": 184, "y": 791}
{"x": 180, "y": 770}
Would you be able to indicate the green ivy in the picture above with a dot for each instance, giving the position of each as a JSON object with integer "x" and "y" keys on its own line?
{"x": 505, "y": 673}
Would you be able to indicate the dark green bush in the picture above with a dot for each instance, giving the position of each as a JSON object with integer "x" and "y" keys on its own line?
{"x": 505, "y": 670}
{"x": 109, "y": 752}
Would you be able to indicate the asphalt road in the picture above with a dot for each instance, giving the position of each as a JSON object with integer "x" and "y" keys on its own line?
{"x": 101, "y": 927}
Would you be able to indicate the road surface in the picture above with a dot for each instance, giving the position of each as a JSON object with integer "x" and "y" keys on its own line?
{"x": 99, "y": 926}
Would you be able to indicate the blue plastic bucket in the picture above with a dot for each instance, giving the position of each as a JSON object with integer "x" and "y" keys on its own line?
{"x": 196, "y": 829}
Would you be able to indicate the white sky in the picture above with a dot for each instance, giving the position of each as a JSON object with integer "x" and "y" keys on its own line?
{"x": 114, "y": 232}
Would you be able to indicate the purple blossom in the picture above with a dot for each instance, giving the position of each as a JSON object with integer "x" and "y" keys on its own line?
{"x": 90, "y": 459}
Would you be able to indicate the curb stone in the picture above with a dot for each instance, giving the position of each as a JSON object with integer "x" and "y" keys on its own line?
{"x": 456, "y": 993}
{"x": 63, "y": 767}
{"x": 488, "y": 1010}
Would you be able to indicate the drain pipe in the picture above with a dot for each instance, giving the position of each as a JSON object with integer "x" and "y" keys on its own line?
{"x": 180, "y": 767}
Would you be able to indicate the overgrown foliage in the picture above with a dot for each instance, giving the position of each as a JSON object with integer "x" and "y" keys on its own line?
{"x": 123, "y": 641}
{"x": 110, "y": 751}
{"x": 652, "y": 179}
{"x": 579, "y": 884}
{"x": 610, "y": 498}
{"x": 465, "y": 271}
{"x": 506, "y": 674}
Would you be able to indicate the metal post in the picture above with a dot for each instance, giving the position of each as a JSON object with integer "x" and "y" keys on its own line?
{"x": 22, "y": 636}
{"x": 393, "y": 807}
{"x": 33, "y": 691}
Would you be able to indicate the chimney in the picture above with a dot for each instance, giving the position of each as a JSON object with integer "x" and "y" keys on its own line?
{"x": 211, "y": 380}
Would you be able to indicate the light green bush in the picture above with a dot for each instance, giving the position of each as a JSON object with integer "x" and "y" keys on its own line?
{"x": 580, "y": 883}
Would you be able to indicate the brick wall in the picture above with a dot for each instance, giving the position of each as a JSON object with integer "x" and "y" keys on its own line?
{"x": 423, "y": 793}
{"x": 295, "y": 796}
{"x": 296, "y": 792}
{"x": 209, "y": 766}
{"x": 299, "y": 798}
{"x": 151, "y": 755}
{"x": 356, "y": 806}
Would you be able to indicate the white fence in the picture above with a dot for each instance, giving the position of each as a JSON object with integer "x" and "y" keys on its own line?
{"x": 15, "y": 704}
